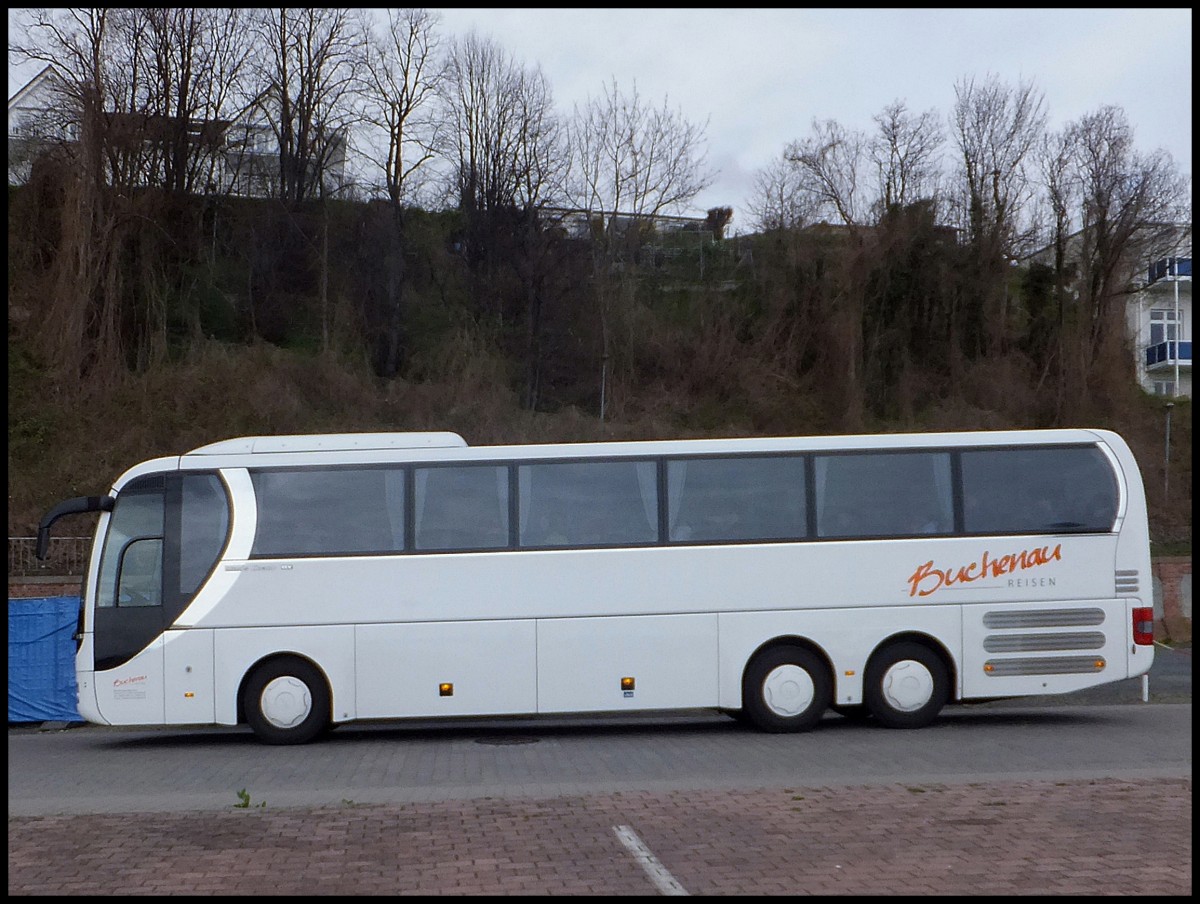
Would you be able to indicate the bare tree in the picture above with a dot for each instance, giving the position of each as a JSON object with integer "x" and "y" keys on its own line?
{"x": 194, "y": 62}
{"x": 633, "y": 159}
{"x": 997, "y": 127}
{"x": 401, "y": 79}
{"x": 630, "y": 162}
{"x": 307, "y": 73}
{"x": 163, "y": 84}
{"x": 503, "y": 140}
{"x": 1110, "y": 207}
{"x": 829, "y": 163}
{"x": 502, "y": 134}
{"x": 1046, "y": 337}
{"x": 905, "y": 153}
{"x": 82, "y": 332}
{"x": 482, "y": 88}
{"x": 1127, "y": 202}
{"x": 778, "y": 200}
{"x": 542, "y": 160}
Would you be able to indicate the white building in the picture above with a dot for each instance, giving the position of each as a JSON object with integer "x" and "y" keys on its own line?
{"x": 35, "y": 121}
{"x": 1160, "y": 319}
{"x": 242, "y": 155}
{"x": 1158, "y": 311}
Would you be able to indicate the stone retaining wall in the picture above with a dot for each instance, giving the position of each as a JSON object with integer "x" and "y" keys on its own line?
{"x": 1173, "y": 599}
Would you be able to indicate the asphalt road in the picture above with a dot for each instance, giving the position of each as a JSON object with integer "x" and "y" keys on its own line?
{"x": 70, "y": 771}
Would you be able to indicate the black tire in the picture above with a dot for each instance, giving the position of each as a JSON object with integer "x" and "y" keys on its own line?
{"x": 907, "y": 684}
{"x": 786, "y": 689}
{"x": 286, "y": 701}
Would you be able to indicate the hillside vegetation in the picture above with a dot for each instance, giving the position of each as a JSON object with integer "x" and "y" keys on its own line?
{"x": 197, "y": 320}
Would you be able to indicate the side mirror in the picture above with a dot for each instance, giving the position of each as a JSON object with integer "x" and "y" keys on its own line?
{"x": 80, "y": 505}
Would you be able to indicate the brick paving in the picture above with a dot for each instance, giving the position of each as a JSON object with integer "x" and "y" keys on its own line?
{"x": 1081, "y": 837}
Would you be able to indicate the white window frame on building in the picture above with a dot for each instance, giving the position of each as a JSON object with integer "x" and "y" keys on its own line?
{"x": 1166, "y": 325}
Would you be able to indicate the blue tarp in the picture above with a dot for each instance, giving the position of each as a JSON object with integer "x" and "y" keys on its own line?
{"x": 41, "y": 659}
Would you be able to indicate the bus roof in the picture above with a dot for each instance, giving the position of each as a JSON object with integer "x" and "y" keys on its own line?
{"x": 357, "y": 448}
{"x": 331, "y": 442}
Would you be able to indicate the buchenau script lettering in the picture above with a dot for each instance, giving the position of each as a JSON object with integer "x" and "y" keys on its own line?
{"x": 927, "y": 579}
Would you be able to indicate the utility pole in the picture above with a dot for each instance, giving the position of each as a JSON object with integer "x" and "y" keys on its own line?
{"x": 1167, "y": 461}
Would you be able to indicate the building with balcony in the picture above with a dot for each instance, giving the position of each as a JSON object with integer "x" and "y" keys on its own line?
{"x": 1158, "y": 308}
{"x": 1160, "y": 320}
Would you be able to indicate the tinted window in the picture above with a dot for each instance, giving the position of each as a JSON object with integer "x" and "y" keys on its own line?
{"x": 1038, "y": 491}
{"x": 329, "y": 511}
{"x": 884, "y": 494}
{"x": 461, "y": 507}
{"x": 735, "y": 498}
{"x": 138, "y": 513}
{"x": 205, "y": 525}
{"x": 588, "y": 503}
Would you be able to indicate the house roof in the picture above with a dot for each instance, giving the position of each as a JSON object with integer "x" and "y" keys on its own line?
{"x": 1172, "y": 238}
{"x": 44, "y": 77}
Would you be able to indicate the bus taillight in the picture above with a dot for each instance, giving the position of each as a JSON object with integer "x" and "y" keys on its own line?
{"x": 1143, "y": 626}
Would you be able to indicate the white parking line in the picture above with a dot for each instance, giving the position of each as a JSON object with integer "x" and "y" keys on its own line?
{"x": 662, "y": 879}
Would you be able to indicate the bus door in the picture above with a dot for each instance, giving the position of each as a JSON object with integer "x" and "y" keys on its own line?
{"x": 127, "y": 621}
{"x": 164, "y": 536}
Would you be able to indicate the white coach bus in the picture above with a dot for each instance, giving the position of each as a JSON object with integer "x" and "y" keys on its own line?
{"x": 297, "y": 582}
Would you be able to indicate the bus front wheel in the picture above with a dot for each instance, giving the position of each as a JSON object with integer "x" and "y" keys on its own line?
{"x": 907, "y": 684}
{"x": 286, "y": 701}
{"x": 786, "y": 689}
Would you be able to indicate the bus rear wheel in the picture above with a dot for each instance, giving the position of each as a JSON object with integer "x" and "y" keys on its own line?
{"x": 286, "y": 701}
{"x": 786, "y": 689}
{"x": 907, "y": 684}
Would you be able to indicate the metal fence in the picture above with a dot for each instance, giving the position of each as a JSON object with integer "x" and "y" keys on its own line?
{"x": 68, "y": 557}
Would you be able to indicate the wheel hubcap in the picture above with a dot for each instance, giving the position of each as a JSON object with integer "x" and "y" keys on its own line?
{"x": 908, "y": 685}
{"x": 286, "y": 702}
{"x": 788, "y": 690}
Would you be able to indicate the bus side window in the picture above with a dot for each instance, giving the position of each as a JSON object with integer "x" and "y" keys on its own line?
{"x": 139, "y": 573}
{"x": 759, "y": 497}
{"x": 325, "y": 511}
{"x": 461, "y": 507}
{"x": 882, "y": 494}
{"x": 588, "y": 503}
{"x": 1038, "y": 490}
{"x": 204, "y": 529}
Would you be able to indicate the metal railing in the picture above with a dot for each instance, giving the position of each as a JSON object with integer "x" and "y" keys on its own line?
{"x": 68, "y": 557}
{"x": 1170, "y": 266}
{"x": 1169, "y": 352}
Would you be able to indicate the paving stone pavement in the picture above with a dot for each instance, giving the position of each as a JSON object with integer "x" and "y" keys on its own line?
{"x": 1079, "y": 837}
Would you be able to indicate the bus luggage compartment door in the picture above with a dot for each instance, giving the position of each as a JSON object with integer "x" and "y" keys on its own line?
{"x": 671, "y": 661}
{"x": 458, "y": 668}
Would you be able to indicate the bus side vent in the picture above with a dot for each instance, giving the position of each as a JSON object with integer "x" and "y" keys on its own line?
{"x": 1030, "y": 643}
{"x": 1044, "y": 618}
{"x": 1127, "y": 581}
{"x": 1050, "y": 665}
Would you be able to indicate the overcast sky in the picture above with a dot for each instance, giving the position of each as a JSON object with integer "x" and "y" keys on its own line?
{"x": 759, "y": 77}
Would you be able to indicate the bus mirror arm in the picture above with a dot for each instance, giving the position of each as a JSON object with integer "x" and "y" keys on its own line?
{"x": 77, "y": 506}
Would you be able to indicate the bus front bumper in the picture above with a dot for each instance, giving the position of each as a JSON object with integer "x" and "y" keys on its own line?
{"x": 86, "y": 696}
